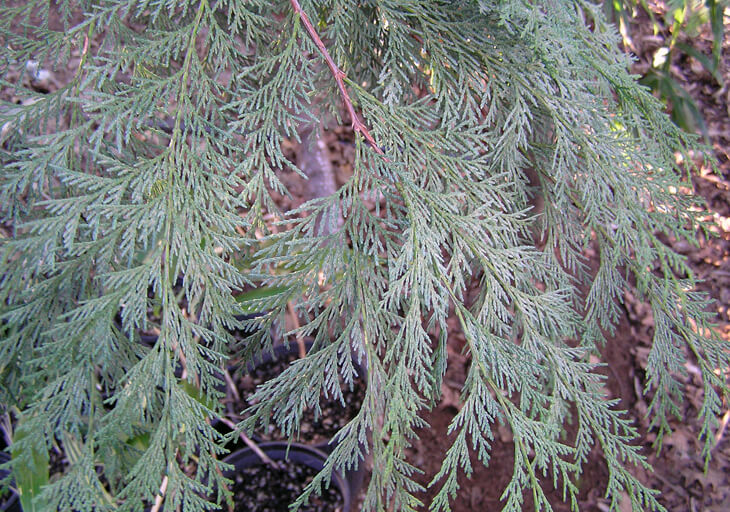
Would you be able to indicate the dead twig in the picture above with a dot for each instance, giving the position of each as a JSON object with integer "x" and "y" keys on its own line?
{"x": 723, "y": 426}
{"x": 231, "y": 385}
{"x": 297, "y": 325}
{"x": 160, "y": 496}
{"x": 249, "y": 442}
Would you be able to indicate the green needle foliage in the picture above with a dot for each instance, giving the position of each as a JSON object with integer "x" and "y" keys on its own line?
{"x": 141, "y": 194}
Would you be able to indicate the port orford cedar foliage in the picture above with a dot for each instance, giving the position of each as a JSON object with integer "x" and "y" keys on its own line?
{"x": 141, "y": 196}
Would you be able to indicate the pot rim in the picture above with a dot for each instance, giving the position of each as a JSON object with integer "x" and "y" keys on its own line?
{"x": 293, "y": 452}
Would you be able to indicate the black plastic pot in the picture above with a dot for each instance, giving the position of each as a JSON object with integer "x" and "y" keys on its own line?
{"x": 317, "y": 437}
{"x": 322, "y": 443}
{"x": 251, "y": 474}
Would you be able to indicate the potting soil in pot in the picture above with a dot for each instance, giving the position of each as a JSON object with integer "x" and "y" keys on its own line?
{"x": 266, "y": 488}
{"x": 311, "y": 431}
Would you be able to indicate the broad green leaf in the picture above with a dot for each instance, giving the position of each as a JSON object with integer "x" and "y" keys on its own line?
{"x": 707, "y": 62}
{"x": 194, "y": 391}
{"x": 34, "y": 473}
{"x": 248, "y": 300}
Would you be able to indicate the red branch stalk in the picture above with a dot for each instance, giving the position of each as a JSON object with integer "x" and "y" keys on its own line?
{"x": 339, "y": 76}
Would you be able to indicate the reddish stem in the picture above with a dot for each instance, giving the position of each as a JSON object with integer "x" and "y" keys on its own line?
{"x": 339, "y": 76}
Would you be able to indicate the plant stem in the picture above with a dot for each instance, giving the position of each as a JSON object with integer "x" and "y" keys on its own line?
{"x": 249, "y": 442}
{"x": 339, "y": 77}
{"x": 300, "y": 340}
{"x": 314, "y": 159}
{"x": 160, "y": 496}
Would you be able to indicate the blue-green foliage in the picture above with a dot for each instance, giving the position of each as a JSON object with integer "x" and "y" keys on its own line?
{"x": 159, "y": 160}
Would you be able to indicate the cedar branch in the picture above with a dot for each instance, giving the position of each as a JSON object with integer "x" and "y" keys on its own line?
{"x": 339, "y": 77}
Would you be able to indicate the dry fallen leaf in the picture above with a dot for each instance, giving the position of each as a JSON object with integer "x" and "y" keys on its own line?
{"x": 450, "y": 397}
